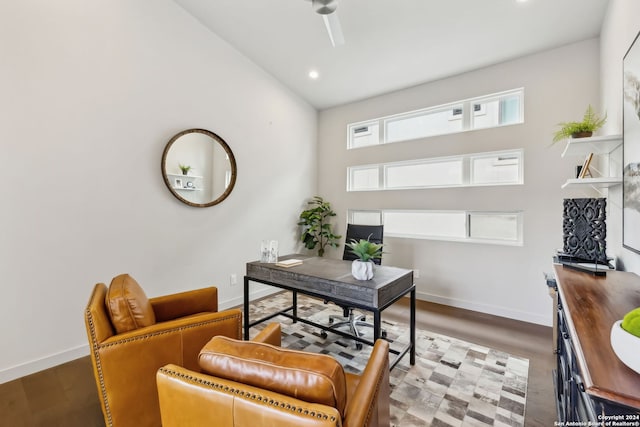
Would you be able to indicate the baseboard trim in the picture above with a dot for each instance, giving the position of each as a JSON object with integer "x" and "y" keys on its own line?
{"x": 239, "y": 301}
{"x": 27, "y": 368}
{"x": 37, "y": 365}
{"x": 494, "y": 310}
{"x": 33, "y": 366}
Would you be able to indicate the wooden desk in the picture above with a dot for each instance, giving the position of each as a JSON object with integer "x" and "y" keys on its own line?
{"x": 588, "y": 307}
{"x": 331, "y": 280}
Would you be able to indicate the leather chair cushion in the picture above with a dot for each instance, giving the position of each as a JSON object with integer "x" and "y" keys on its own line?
{"x": 128, "y": 305}
{"x": 314, "y": 378}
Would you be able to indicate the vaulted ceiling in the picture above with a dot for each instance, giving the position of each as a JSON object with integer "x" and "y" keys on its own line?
{"x": 391, "y": 45}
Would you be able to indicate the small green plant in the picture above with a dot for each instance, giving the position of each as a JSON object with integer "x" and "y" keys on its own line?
{"x": 317, "y": 229}
{"x": 365, "y": 250}
{"x": 591, "y": 122}
{"x": 631, "y": 322}
{"x": 184, "y": 168}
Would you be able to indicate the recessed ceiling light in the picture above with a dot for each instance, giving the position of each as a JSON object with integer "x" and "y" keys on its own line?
{"x": 313, "y": 74}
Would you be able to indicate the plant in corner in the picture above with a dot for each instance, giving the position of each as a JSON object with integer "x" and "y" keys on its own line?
{"x": 184, "y": 168}
{"x": 590, "y": 123}
{"x": 317, "y": 229}
{"x": 366, "y": 251}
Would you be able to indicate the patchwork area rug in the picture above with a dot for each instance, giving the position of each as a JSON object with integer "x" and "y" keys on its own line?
{"x": 453, "y": 383}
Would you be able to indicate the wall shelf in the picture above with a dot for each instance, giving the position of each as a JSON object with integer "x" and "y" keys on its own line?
{"x": 598, "y": 145}
{"x": 179, "y": 175}
{"x": 595, "y": 144}
{"x": 600, "y": 182}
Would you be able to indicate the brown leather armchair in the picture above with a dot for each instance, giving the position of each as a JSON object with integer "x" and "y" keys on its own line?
{"x": 247, "y": 384}
{"x": 130, "y": 337}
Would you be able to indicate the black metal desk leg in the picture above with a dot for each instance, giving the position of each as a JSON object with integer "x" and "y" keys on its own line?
{"x": 376, "y": 325}
{"x": 295, "y": 306}
{"x": 412, "y": 328}
{"x": 246, "y": 308}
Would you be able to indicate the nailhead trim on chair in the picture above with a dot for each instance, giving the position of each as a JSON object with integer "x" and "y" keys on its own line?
{"x": 96, "y": 346}
{"x": 99, "y": 366}
{"x": 252, "y": 396}
{"x": 146, "y": 336}
{"x": 376, "y": 394}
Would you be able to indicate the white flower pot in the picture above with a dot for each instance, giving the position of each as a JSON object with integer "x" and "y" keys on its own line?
{"x": 362, "y": 270}
{"x": 626, "y": 346}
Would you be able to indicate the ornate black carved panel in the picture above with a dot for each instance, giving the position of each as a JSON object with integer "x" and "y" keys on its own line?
{"x": 584, "y": 228}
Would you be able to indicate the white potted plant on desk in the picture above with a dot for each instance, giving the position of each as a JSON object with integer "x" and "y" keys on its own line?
{"x": 366, "y": 251}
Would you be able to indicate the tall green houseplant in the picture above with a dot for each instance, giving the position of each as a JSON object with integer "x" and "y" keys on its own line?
{"x": 317, "y": 230}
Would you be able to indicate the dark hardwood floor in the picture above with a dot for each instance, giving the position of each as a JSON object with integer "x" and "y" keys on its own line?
{"x": 66, "y": 395}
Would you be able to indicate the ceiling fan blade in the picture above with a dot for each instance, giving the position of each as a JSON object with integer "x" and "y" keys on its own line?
{"x": 334, "y": 29}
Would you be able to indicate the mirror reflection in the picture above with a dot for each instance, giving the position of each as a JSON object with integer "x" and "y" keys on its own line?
{"x": 198, "y": 167}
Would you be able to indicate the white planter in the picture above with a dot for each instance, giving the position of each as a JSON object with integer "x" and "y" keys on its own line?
{"x": 626, "y": 346}
{"x": 362, "y": 270}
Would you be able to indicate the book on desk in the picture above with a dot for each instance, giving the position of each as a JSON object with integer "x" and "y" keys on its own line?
{"x": 289, "y": 262}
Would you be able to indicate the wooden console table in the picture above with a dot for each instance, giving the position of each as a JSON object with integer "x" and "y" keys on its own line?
{"x": 331, "y": 280}
{"x": 592, "y": 384}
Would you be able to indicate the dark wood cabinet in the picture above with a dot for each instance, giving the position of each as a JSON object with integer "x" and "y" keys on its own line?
{"x": 591, "y": 383}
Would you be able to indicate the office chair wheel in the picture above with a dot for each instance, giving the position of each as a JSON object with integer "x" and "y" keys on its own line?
{"x": 358, "y": 346}
{"x": 383, "y": 334}
{"x": 363, "y": 318}
{"x": 323, "y": 335}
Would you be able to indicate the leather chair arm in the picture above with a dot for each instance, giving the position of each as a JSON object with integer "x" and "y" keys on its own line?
{"x": 270, "y": 335}
{"x": 169, "y": 307}
{"x": 193, "y": 399}
{"x": 369, "y": 405}
{"x": 125, "y": 365}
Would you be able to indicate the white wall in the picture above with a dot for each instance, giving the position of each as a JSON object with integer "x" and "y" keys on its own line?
{"x": 620, "y": 27}
{"x": 91, "y": 93}
{"x": 502, "y": 280}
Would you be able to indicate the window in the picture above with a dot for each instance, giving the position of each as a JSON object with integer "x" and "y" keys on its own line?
{"x": 425, "y": 173}
{"x": 362, "y": 178}
{"x": 494, "y": 226}
{"x": 364, "y": 134}
{"x": 475, "y": 169}
{"x": 425, "y": 224}
{"x": 365, "y": 217}
{"x": 496, "y": 168}
{"x": 504, "y": 228}
{"x": 424, "y": 123}
{"x": 492, "y": 168}
{"x": 498, "y": 109}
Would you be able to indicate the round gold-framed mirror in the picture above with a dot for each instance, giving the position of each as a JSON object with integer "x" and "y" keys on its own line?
{"x": 198, "y": 168}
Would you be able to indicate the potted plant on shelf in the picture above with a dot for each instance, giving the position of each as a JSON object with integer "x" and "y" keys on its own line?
{"x": 317, "y": 229}
{"x": 366, "y": 251}
{"x": 184, "y": 168}
{"x": 590, "y": 123}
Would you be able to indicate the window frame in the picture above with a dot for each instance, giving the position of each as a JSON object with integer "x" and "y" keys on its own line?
{"x": 468, "y": 108}
{"x": 466, "y": 165}
{"x": 519, "y": 215}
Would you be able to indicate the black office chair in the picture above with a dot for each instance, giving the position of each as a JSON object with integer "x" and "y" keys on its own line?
{"x": 356, "y": 232}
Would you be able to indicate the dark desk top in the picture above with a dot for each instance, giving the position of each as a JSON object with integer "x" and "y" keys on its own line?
{"x": 332, "y": 279}
{"x": 592, "y": 305}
